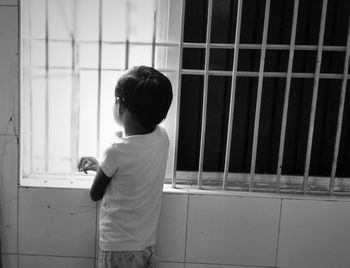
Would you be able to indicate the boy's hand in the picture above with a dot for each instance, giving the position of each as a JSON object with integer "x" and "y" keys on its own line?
{"x": 88, "y": 163}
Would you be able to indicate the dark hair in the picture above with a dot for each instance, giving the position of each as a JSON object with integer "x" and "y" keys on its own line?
{"x": 147, "y": 94}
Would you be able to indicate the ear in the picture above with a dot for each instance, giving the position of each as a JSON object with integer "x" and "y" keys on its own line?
{"x": 121, "y": 107}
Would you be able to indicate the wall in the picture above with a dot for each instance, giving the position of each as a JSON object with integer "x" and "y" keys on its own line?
{"x": 57, "y": 227}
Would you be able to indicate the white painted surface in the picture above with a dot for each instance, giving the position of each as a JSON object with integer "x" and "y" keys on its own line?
{"x": 8, "y": 193}
{"x": 54, "y": 262}
{"x": 56, "y": 222}
{"x": 172, "y": 228}
{"x": 314, "y": 234}
{"x": 232, "y": 231}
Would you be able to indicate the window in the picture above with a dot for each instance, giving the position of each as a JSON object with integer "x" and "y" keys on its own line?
{"x": 261, "y": 99}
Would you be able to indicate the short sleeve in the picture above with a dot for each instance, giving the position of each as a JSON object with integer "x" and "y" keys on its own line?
{"x": 109, "y": 163}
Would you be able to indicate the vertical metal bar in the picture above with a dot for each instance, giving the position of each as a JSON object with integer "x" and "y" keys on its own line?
{"x": 340, "y": 113}
{"x": 99, "y": 78}
{"x": 127, "y": 41}
{"x": 286, "y": 95}
{"x": 154, "y": 37}
{"x": 205, "y": 94}
{"x": 178, "y": 98}
{"x": 47, "y": 87}
{"x": 314, "y": 96}
{"x": 259, "y": 93}
{"x": 233, "y": 93}
{"x": 75, "y": 93}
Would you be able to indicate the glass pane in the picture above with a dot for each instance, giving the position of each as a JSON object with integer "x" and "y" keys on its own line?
{"x": 88, "y": 55}
{"x": 87, "y": 16}
{"x": 337, "y": 21}
{"x": 108, "y": 127}
{"x": 221, "y": 59}
{"x": 325, "y": 127}
{"x": 272, "y": 100}
{"x": 249, "y": 60}
{"x": 114, "y": 20}
{"x": 38, "y": 120}
{"x": 60, "y": 54}
{"x": 167, "y": 58}
{"x": 60, "y": 95}
{"x": 276, "y": 61}
{"x": 88, "y": 113}
{"x": 193, "y": 58}
{"x": 304, "y": 61}
{"x": 332, "y": 62}
{"x": 243, "y": 124}
{"x": 190, "y": 122}
{"x": 252, "y": 23}
{"x": 140, "y": 55}
{"x": 60, "y": 19}
{"x": 196, "y": 12}
{"x": 113, "y": 56}
{"x": 34, "y": 24}
{"x": 297, "y": 126}
{"x": 37, "y": 55}
{"x": 219, "y": 89}
{"x": 280, "y": 22}
{"x": 308, "y": 26}
{"x": 343, "y": 167}
{"x": 224, "y": 21}
{"x": 168, "y": 21}
{"x": 141, "y": 20}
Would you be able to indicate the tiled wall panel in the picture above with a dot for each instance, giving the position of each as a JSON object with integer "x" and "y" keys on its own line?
{"x": 314, "y": 234}
{"x": 58, "y": 222}
{"x": 172, "y": 228}
{"x": 232, "y": 230}
{"x": 54, "y": 262}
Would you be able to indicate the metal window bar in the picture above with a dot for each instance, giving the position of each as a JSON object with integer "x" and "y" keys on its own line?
{"x": 314, "y": 95}
{"x": 205, "y": 95}
{"x": 178, "y": 99}
{"x": 340, "y": 113}
{"x": 286, "y": 95}
{"x": 259, "y": 93}
{"x": 75, "y": 93}
{"x": 233, "y": 93}
{"x": 99, "y": 77}
{"x": 46, "y": 87}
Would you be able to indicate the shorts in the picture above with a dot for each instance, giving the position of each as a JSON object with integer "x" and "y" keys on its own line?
{"x": 129, "y": 259}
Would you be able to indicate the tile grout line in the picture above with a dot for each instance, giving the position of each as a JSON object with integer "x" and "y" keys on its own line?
{"x": 278, "y": 232}
{"x": 186, "y": 233}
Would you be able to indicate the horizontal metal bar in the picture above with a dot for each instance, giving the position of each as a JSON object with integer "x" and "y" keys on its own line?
{"x": 202, "y": 45}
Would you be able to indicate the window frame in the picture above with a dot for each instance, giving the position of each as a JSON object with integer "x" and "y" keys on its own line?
{"x": 305, "y": 184}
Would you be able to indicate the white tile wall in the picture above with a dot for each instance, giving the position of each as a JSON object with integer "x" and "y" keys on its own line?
{"x": 172, "y": 228}
{"x": 8, "y": 2}
{"x": 314, "y": 234}
{"x": 232, "y": 230}
{"x": 171, "y": 265}
{"x": 56, "y": 222}
{"x": 9, "y": 20}
{"x": 8, "y": 82}
{"x": 54, "y": 262}
{"x": 8, "y": 193}
{"x": 9, "y": 261}
{"x": 218, "y": 266}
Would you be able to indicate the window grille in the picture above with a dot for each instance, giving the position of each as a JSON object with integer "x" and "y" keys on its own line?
{"x": 190, "y": 50}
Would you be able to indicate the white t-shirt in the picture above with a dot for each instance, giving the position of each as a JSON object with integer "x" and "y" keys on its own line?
{"x": 130, "y": 207}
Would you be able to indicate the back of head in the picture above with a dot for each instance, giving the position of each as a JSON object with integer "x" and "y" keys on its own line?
{"x": 147, "y": 94}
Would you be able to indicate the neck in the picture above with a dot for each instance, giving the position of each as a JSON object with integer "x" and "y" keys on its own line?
{"x": 133, "y": 127}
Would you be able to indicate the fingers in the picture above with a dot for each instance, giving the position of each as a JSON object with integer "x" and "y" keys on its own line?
{"x": 87, "y": 163}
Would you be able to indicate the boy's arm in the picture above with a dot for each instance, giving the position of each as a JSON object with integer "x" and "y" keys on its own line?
{"x": 99, "y": 185}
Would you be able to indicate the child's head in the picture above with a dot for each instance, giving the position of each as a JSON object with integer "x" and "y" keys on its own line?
{"x": 146, "y": 93}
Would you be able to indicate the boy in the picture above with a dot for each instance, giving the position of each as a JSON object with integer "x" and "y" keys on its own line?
{"x": 130, "y": 178}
